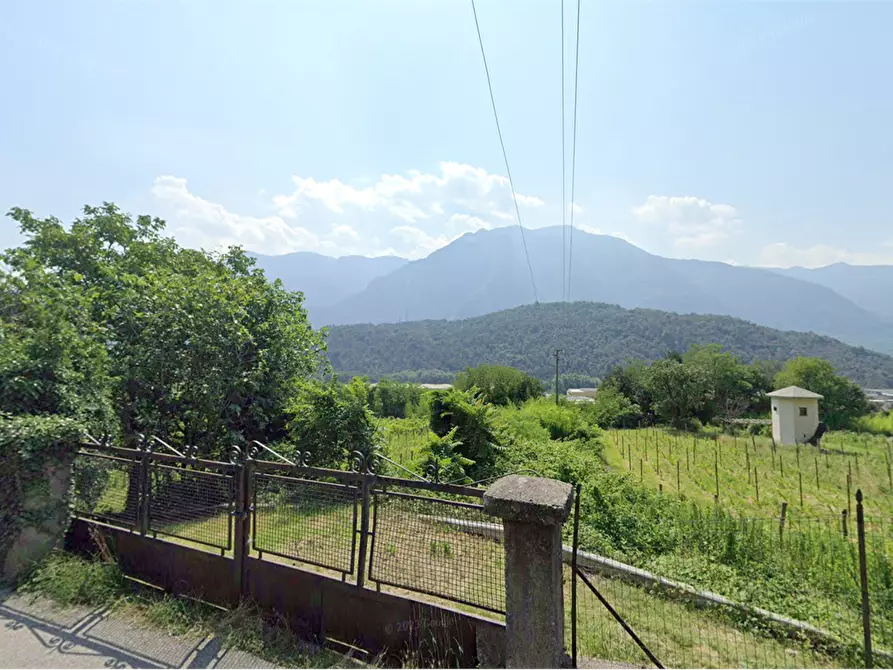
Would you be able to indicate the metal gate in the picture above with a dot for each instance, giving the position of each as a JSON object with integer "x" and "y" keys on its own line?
{"x": 578, "y": 576}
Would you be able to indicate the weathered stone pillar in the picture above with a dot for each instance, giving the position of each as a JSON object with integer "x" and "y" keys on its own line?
{"x": 532, "y": 510}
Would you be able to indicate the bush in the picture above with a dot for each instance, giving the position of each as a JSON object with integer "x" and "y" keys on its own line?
{"x": 612, "y": 409}
{"x": 71, "y": 580}
{"x": 880, "y": 423}
{"x": 330, "y": 420}
{"x": 394, "y": 399}
{"x": 563, "y": 421}
{"x": 472, "y": 419}
{"x": 441, "y": 459}
{"x": 500, "y": 384}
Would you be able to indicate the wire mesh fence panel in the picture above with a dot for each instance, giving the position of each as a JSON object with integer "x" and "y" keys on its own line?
{"x": 444, "y": 548}
{"x": 679, "y": 632}
{"x": 106, "y": 488}
{"x": 878, "y": 545}
{"x": 190, "y": 504}
{"x": 310, "y": 521}
{"x": 713, "y": 590}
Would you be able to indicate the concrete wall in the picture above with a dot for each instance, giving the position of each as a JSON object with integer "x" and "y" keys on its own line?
{"x": 788, "y": 427}
{"x": 316, "y": 607}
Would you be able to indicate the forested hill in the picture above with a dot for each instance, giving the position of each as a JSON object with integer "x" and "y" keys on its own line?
{"x": 594, "y": 336}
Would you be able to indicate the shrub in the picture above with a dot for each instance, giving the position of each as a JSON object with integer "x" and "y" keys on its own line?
{"x": 472, "y": 419}
{"x": 393, "y": 399}
{"x": 330, "y": 420}
{"x": 563, "y": 421}
{"x": 612, "y": 409}
{"x": 500, "y": 384}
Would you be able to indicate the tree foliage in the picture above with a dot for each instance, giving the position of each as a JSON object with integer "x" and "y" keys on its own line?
{"x": 331, "y": 420}
{"x": 470, "y": 419}
{"x": 195, "y": 347}
{"x": 394, "y": 399}
{"x": 500, "y": 384}
{"x": 596, "y": 338}
{"x": 843, "y": 400}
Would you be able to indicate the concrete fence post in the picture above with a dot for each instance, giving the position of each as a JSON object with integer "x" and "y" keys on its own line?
{"x": 532, "y": 510}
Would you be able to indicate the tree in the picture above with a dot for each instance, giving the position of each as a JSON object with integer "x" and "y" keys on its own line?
{"x": 843, "y": 400}
{"x": 611, "y": 409}
{"x": 394, "y": 399}
{"x": 629, "y": 381}
{"x": 500, "y": 384}
{"x": 201, "y": 348}
{"x": 331, "y": 420}
{"x": 734, "y": 387}
{"x": 680, "y": 391}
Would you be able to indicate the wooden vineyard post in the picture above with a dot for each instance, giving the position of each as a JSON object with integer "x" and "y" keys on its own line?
{"x": 688, "y": 467}
{"x": 798, "y": 456}
{"x": 800, "y": 477}
{"x": 756, "y": 482}
{"x": 678, "y": 484}
{"x": 843, "y": 517}
{"x": 784, "y": 511}
{"x": 889, "y": 470}
{"x": 817, "y": 472}
{"x": 781, "y": 465}
{"x": 716, "y": 473}
{"x": 849, "y": 479}
{"x": 641, "y": 471}
{"x": 863, "y": 579}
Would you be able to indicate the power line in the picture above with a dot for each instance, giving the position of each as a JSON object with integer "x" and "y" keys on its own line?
{"x": 504, "y": 154}
{"x": 563, "y": 177}
{"x": 570, "y": 264}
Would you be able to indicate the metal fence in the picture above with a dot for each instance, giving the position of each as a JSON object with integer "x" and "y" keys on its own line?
{"x": 713, "y": 590}
{"x": 444, "y": 547}
{"x": 409, "y": 535}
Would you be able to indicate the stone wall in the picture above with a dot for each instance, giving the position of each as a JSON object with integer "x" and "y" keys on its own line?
{"x": 35, "y": 509}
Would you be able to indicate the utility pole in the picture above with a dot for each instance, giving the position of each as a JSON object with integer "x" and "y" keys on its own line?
{"x": 558, "y": 352}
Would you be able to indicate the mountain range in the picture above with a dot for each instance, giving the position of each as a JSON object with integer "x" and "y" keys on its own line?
{"x": 594, "y": 338}
{"x": 487, "y": 271}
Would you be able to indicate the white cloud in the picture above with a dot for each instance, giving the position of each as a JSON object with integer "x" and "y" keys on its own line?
{"x": 197, "y": 222}
{"x": 783, "y": 255}
{"x": 410, "y": 198}
{"x": 692, "y": 221}
{"x": 408, "y": 214}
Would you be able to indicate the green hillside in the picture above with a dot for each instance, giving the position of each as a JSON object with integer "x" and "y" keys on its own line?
{"x": 594, "y": 336}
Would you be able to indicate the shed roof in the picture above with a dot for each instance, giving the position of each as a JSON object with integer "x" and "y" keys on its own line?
{"x": 794, "y": 392}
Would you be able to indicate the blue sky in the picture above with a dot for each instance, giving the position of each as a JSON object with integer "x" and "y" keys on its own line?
{"x": 755, "y": 133}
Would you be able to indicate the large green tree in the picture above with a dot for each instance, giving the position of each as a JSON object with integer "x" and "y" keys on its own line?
{"x": 200, "y": 347}
{"x": 843, "y": 400}
{"x": 680, "y": 391}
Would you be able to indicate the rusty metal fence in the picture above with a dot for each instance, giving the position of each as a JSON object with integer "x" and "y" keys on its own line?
{"x": 361, "y": 525}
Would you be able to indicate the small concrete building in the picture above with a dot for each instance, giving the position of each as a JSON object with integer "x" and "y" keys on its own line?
{"x": 795, "y": 414}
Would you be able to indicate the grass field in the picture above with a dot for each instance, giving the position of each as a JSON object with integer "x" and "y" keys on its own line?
{"x": 751, "y": 478}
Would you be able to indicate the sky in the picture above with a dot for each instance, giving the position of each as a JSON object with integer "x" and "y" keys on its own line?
{"x": 754, "y": 133}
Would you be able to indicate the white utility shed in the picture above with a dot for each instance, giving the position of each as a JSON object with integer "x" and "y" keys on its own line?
{"x": 795, "y": 414}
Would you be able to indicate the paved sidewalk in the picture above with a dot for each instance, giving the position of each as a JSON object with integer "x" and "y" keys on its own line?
{"x": 37, "y": 633}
